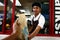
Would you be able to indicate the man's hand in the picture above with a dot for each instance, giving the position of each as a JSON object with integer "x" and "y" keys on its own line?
{"x": 29, "y": 37}
{"x": 34, "y": 33}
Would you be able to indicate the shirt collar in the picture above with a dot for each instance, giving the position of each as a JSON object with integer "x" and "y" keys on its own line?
{"x": 37, "y": 15}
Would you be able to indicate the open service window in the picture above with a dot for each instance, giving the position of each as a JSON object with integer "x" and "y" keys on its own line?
{"x": 50, "y": 9}
{"x": 25, "y": 7}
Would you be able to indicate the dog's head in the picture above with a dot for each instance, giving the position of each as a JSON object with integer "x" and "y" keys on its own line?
{"x": 22, "y": 20}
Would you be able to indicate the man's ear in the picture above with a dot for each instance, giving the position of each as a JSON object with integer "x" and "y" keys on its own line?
{"x": 40, "y": 9}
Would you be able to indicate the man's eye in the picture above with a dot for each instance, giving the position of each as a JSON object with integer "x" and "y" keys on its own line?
{"x": 37, "y": 8}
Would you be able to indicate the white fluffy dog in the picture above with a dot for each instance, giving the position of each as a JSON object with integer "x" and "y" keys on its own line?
{"x": 20, "y": 29}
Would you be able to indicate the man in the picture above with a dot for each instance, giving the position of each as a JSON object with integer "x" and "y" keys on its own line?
{"x": 37, "y": 20}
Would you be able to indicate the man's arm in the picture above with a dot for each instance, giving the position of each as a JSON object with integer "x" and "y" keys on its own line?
{"x": 35, "y": 32}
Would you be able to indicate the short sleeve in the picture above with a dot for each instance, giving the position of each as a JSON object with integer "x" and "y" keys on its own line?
{"x": 41, "y": 21}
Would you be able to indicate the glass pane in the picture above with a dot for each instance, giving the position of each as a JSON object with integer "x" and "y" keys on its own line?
{"x": 9, "y": 15}
{"x": 1, "y": 13}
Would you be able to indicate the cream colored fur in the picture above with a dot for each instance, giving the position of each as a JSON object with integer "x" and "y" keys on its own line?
{"x": 21, "y": 21}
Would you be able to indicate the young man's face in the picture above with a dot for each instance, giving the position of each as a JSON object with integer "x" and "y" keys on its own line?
{"x": 36, "y": 9}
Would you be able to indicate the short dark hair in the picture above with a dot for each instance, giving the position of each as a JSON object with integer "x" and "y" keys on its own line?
{"x": 36, "y": 4}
